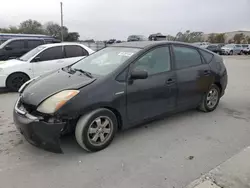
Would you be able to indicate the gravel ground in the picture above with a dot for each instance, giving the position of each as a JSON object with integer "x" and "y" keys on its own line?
{"x": 167, "y": 153}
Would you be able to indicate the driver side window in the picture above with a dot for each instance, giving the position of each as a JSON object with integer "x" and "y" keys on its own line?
{"x": 155, "y": 61}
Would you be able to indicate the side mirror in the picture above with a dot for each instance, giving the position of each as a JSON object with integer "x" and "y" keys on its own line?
{"x": 7, "y": 48}
{"x": 138, "y": 74}
{"x": 36, "y": 59}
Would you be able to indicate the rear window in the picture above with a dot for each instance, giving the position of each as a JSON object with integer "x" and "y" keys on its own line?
{"x": 207, "y": 56}
{"x": 34, "y": 43}
{"x": 75, "y": 51}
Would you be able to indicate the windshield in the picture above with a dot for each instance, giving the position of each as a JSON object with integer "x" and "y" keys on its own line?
{"x": 105, "y": 61}
{"x": 229, "y": 46}
{"x": 4, "y": 44}
{"x": 31, "y": 53}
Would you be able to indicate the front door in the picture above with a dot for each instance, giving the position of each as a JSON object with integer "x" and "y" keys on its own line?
{"x": 48, "y": 60}
{"x": 193, "y": 75}
{"x": 15, "y": 49}
{"x": 156, "y": 94}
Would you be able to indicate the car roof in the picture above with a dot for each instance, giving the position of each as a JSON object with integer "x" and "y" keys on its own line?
{"x": 25, "y": 38}
{"x": 61, "y": 44}
{"x": 146, "y": 44}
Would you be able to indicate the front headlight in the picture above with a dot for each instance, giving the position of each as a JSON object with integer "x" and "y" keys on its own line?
{"x": 55, "y": 102}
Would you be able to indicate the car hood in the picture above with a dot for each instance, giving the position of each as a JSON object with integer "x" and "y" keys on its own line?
{"x": 45, "y": 86}
{"x": 10, "y": 63}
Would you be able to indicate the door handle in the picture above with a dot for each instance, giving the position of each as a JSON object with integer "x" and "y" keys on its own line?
{"x": 170, "y": 81}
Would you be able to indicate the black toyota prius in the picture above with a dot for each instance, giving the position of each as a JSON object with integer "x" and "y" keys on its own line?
{"x": 117, "y": 88}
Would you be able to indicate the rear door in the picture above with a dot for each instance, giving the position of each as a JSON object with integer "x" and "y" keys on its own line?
{"x": 73, "y": 53}
{"x": 155, "y": 95}
{"x": 15, "y": 49}
{"x": 48, "y": 60}
{"x": 193, "y": 75}
{"x": 34, "y": 43}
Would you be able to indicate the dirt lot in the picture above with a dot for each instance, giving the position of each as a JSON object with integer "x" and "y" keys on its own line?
{"x": 167, "y": 153}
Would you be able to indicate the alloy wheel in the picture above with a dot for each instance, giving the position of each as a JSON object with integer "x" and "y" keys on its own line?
{"x": 212, "y": 98}
{"x": 100, "y": 130}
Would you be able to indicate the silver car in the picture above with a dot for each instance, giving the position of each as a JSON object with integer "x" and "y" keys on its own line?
{"x": 232, "y": 49}
{"x": 246, "y": 48}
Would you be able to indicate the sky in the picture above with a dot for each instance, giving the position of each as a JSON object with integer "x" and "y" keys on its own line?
{"x": 105, "y": 19}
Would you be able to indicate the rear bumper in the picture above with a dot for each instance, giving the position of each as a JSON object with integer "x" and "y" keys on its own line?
{"x": 38, "y": 132}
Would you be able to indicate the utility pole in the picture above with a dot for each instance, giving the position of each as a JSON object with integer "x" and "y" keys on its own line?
{"x": 61, "y": 4}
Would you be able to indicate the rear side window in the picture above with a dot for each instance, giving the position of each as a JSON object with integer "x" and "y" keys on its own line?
{"x": 34, "y": 43}
{"x": 18, "y": 44}
{"x": 52, "y": 54}
{"x": 186, "y": 57}
{"x": 207, "y": 56}
{"x": 75, "y": 51}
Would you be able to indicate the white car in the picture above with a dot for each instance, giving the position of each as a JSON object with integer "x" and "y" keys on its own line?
{"x": 41, "y": 60}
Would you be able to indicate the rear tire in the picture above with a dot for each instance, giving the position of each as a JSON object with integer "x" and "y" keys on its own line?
{"x": 96, "y": 130}
{"x": 210, "y": 99}
{"x": 16, "y": 80}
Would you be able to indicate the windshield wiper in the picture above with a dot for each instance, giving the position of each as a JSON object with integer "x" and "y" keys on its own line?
{"x": 84, "y": 72}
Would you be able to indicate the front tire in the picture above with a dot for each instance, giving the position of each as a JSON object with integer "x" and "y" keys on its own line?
{"x": 16, "y": 80}
{"x": 210, "y": 99}
{"x": 96, "y": 130}
{"x": 231, "y": 53}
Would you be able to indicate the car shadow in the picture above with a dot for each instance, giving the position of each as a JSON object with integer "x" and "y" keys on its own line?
{"x": 4, "y": 91}
{"x": 70, "y": 146}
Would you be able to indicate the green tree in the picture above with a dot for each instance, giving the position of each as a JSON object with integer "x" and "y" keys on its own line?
{"x": 10, "y": 29}
{"x": 189, "y": 36}
{"x": 211, "y": 38}
{"x": 72, "y": 37}
{"x": 31, "y": 27}
{"x": 170, "y": 38}
{"x": 220, "y": 38}
{"x": 238, "y": 38}
{"x": 248, "y": 39}
{"x": 216, "y": 38}
{"x": 53, "y": 29}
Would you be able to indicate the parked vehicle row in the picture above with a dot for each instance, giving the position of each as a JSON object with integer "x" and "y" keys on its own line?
{"x": 6, "y": 36}
{"x": 115, "y": 89}
{"x": 41, "y": 60}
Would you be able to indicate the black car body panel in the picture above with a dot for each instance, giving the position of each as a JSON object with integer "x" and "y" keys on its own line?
{"x": 56, "y": 82}
{"x": 36, "y": 130}
{"x": 132, "y": 101}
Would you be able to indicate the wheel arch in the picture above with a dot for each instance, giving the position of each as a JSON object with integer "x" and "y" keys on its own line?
{"x": 17, "y": 72}
{"x": 115, "y": 111}
{"x": 117, "y": 114}
{"x": 219, "y": 85}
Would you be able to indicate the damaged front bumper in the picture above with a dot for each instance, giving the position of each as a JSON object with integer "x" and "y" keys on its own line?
{"x": 36, "y": 131}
